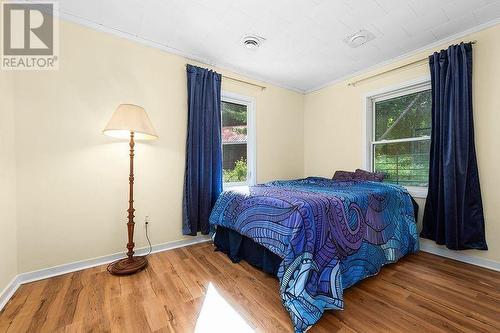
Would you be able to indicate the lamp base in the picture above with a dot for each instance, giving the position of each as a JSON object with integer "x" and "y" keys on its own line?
{"x": 128, "y": 266}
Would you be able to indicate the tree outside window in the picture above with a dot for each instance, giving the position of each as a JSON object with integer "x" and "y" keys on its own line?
{"x": 234, "y": 142}
{"x": 401, "y": 138}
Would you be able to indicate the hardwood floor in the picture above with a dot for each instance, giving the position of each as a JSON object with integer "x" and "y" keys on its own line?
{"x": 421, "y": 293}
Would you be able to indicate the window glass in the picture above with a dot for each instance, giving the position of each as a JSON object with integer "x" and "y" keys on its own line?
{"x": 401, "y": 138}
{"x": 234, "y": 142}
{"x": 404, "y": 163}
{"x": 402, "y": 117}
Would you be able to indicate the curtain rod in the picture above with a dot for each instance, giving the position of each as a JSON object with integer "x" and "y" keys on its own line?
{"x": 238, "y": 80}
{"x": 354, "y": 83}
{"x": 243, "y": 81}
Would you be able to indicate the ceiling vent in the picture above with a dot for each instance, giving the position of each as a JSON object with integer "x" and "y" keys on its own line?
{"x": 252, "y": 42}
{"x": 359, "y": 38}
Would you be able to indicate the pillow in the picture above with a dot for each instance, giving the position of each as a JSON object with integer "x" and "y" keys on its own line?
{"x": 343, "y": 175}
{"x": 367, "y": 175}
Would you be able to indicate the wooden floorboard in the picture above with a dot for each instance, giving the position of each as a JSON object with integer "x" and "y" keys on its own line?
{"x": 421, "y": 293}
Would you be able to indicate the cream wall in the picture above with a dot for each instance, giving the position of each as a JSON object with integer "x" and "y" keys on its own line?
{"x": 8, "y": 232}
{"x": 333, "y": 125}
{"x": 73, "y": 181}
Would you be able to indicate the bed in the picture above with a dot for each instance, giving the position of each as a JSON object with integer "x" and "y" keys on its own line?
{"x": 319, "y": 236}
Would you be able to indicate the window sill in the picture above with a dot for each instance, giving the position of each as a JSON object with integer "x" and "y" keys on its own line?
{"x": 417, "y": 192}
{"x": 226, "y": 186}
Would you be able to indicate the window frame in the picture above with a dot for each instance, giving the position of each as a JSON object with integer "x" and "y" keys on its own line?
{"x": 249, "y": 102}
{"x": 369, "y": 142}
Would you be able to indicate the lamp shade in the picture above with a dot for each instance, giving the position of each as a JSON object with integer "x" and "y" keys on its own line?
{"x": 130, "y": 118}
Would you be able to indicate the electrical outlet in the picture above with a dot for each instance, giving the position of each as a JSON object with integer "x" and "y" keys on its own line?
{"x": 146, "y": 220}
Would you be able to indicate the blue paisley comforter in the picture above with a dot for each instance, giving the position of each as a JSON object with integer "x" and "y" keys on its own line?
{"x": 330, "y": 234}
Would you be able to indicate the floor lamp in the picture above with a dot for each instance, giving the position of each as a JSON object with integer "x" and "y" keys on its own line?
{"x": 130, "y": 122}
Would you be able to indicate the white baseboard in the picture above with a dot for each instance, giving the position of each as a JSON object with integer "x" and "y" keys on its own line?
{"x": 9, "y": 291}
{"x": 45, "y": 273}
{"x": 431, "y": 247}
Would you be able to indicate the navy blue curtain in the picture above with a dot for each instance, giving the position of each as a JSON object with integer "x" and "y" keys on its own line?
{"x": 203, "y": 175}
{"x": 453, "y": 213}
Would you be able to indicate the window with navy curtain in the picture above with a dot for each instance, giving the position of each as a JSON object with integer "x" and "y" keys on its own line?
{"x": 203, "y": 175}
{"x": 453, "y": 213}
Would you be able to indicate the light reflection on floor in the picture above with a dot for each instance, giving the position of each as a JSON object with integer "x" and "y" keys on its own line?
{"x": 218, "y": 316}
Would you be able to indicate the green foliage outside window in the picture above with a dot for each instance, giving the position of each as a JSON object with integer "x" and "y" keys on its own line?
{"x": 234, "y": 114}
{"x": 403, "y": 117}
{"x": 238, "y": 174}
{"x": 405, "y": 163}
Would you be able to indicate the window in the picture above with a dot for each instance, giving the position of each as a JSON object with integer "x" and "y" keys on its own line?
{"x": 238, "y": 144}
{"x": 399, "y": 135}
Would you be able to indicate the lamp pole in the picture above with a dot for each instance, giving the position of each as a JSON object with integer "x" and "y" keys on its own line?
{"x": 131, "y": 210}
{"x": 131, "y": 264}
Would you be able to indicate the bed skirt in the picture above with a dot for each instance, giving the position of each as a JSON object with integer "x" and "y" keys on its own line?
{"x": 238, "y": 247}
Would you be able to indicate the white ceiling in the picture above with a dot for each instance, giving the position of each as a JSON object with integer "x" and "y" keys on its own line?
{"x": 303, "y": 48}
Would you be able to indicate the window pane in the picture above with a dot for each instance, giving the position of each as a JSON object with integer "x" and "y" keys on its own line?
{"x": 404, "y": 163}
{"x": 234, "y": 142}
{"x": 403, "y": 117}
{"x": 234, "y": 114}
{"x": 235, "y": 163}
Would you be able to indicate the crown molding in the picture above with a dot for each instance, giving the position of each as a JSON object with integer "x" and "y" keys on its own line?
{"x": 172, "y": 50}
{"x": 402, "y": 57}
{"x": 226, "y": 67}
